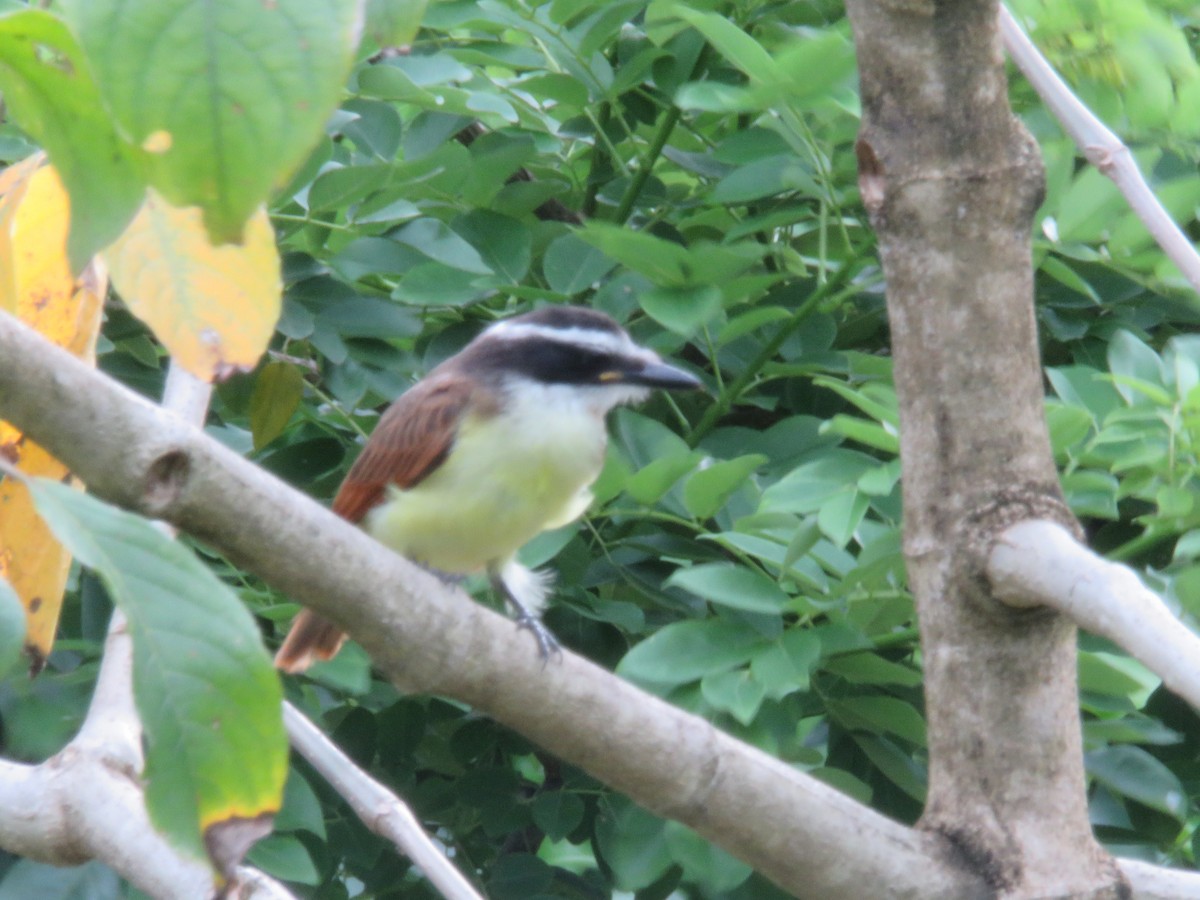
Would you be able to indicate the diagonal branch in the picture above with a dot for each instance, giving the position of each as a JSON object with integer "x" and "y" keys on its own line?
{"x": 1039, "y": 563}
{"x": 806, "y": 836}
{"x": 1102, "y": 148}
{"x": 379, "y": 809}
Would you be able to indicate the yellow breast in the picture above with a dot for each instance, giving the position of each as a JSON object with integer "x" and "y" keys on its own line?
{"x": 507, "y": 478}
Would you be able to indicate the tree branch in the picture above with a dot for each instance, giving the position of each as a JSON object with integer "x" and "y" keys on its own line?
{"x": 378, "y": 808}
{"x": 1102, "y": 148}
{"x": 806, "y": 836}
{"x": 86, "y": 802}
{"x": 951, "y": 180}
{"x": 1150, "y": 882}
{"x": 1039, "y": 563}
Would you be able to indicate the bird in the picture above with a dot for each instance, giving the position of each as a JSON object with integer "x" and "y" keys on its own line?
{"x": 497, "y": 444}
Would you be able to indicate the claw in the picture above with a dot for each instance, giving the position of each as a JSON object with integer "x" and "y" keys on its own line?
{"x": 547, "y": 644}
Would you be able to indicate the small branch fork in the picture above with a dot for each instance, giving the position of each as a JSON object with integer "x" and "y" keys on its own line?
{"x": 86, "y": 801}
{"x": 1039, "y": 563}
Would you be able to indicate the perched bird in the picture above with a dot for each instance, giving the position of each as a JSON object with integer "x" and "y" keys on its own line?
{"x": 496, "y": 445}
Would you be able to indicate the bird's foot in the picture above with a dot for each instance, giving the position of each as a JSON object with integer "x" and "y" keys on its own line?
{"x": 547, "y": 643}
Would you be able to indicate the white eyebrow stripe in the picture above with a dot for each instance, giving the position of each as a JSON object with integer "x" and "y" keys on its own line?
{"x": 606, "y": 341}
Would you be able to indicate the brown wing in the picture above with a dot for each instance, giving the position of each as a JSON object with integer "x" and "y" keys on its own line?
{"x": 410, "y": 441}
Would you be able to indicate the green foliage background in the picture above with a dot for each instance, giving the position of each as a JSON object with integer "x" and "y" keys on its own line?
{"x": 689, "y": 168}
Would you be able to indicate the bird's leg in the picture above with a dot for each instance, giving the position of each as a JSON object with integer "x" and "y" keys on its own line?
{"x": 525, "y": 618}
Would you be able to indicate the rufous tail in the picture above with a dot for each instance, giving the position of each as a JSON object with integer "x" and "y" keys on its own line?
{"x": 310, "y": 639}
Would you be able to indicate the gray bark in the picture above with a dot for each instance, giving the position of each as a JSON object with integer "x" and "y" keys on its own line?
{"x": 951, "y": 180}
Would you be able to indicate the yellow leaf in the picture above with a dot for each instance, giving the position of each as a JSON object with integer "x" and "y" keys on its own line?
{"x": 31, "y": 559}
{"x": 36, "y": 284}
{"x": 13, "y": 182}
{"x": 214, "y": 308}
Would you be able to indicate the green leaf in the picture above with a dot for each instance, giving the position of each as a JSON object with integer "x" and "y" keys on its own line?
{"x": 1129, "y": 729}
{"x": 840, "y": 516}
{"x": 557, "y": 813}
{"x": 896, "y": 764}
{"x": 239, "y": 94}
{"x": 1068, "y": 277}
{"x": 869, "y": 434}
{"x": 432, "y": 284}
{"x": 651, "y": 482}
{"x": 206, "y": 692}
{"x": 516, "y": 876}
{"x": 662, "y": 261}
{"x": 736, "y": 692}
{"x": 1092, "y": 493}
{"x": 1069, "y": 425}
{"x": 278, "y": 390}
{"x": 1133, "y": 363}
{"x": 646, "y": 439}
{"x": 1085, "y": 387}
{"x": 286, "y": 858}
{"x": 682, "y": 309}
{"x": 572, "y": 266}
{"x": 301, "y": 810}
{"x": 392, "y": 23}
{"x": 434, "y": 239}
{"x": 505, "y": 245}
{"x": 809, "y": 486}
{"x": 881, "y": 715}
{"x": 1113, "y": 675}
{"x": 48, "y": 89}
{"x": 12, "y": 626}
{"x": 1134, "y": 773}
{"x": 868, "y": 668}
{"x": 668, "y": 263}
{"x": 876, "y": 400}
{"x": 766, "y": 178}
{"x": 785, "y": 666}
{"x": 689, "y": 650}
{"x": 633, "y": 844}
{"x": 706, "y": 491}
{"x": 734, "y": 44}
{"x": 714, "y": 869}
{"x": 718, "y": 97}
{"x": 733, "y": 585}
{"x": 341, "y": 186}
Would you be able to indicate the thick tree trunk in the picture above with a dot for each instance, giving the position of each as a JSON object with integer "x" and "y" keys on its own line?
{"x": 951, "y": 180}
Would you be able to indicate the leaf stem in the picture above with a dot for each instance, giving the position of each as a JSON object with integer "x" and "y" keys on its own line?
{"x": 726, "y": 400}
{"x": 642, "y": 175}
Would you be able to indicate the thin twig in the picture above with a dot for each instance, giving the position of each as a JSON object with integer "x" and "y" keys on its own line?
{"x": 1100, "y": 146}
{"x": 380, "y": 810}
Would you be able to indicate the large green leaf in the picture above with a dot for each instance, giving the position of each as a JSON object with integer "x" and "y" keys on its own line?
{"x": 732, "y": 585}
{"x": 227, "y": 98}
{"x": 1136, "y": 774}
{"x": 685, "y": 651}
{"x": 49, "y": 90}
{"x": 207, "y": 695}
